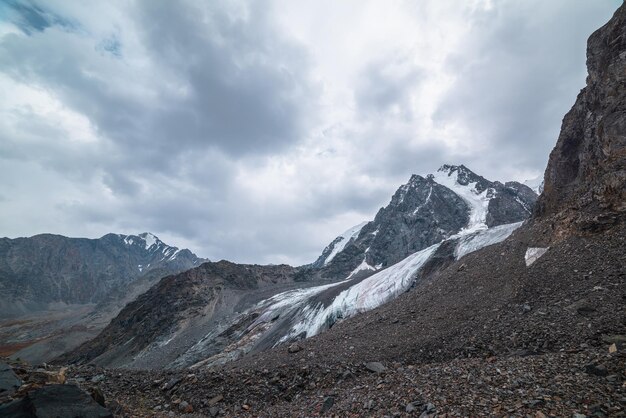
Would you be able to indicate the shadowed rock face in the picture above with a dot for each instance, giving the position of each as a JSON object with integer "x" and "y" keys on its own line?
{"x": 585, "y": 181}
{"x": 47, "y": 269}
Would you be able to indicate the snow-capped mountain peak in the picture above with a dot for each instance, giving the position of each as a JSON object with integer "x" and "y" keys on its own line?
{"x": 152, "y": 245}
{"x": 465, "y": 184}
{"x": 452, "y": 201}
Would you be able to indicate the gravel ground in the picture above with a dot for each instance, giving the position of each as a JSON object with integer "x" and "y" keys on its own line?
{"x": 588, "y": 382}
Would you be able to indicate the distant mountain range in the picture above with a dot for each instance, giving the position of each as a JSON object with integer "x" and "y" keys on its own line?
{"x": 47, "y": 270}
{"x": 56, "y": 292}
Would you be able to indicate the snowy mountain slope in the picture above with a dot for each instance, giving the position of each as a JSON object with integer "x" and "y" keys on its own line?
{"x": 423, "y": 212}
{"x": 338, "y": 244}
{"x": 478, "y": 201}
{"x": 427, "y": 221}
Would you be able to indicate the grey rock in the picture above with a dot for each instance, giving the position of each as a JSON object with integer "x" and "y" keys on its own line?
{"x": 294, "y": 348}
{"x": 172, "y": 383}
{"x": 55, "y": 401}
{"x": 597, "y": 370}
{"x": 97, "y": 395}
{"x": 375, "y": 367}
{"x": 9, "y": 382}
{"x": 184, "y": 406}
{"x": 97, "y": 378}
{"x": 413, "y": 407}
{"x": 214, "y": 411}
{"x": 328, "y": 403}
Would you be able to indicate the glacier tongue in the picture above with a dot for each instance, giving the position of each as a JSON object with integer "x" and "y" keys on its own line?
{"x": 363, "y": 296}
{"x": 313, "y": 314}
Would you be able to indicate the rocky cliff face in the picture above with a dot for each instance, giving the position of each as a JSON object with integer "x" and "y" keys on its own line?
{"x": 47, "y": 269}
{"x": 585, "y": 181}
{"x": 423, "y": 212}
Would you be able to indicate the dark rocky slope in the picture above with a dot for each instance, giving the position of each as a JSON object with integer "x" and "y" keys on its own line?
{"x": 180, "y": 310}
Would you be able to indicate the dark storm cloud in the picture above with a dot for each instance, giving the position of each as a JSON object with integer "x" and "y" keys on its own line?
{"x": 246, "y": 89}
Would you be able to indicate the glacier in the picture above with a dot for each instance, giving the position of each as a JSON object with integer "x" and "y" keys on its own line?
{"x": 303, "y": 313}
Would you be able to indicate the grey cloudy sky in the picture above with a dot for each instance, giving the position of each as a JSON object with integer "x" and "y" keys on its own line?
{"x": 257, "y": 131}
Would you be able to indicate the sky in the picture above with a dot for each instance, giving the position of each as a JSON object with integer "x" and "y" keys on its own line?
{"x": 257, "y": 131}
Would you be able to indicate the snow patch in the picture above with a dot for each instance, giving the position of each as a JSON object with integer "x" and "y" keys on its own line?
{"x": 149, "y": 239}
{"x": 478, "y": 202}
{"x": 522, "y": 204}
{"x": 173, "y": 256}
{"x": 425, "y": 201}
{"x": 361, "y": 267}
{"x": 345, "y": 238}
{"x": 533, "y": 254}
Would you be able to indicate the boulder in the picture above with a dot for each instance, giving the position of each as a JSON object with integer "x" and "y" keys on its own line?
{"x": 9, "y": 382}
{"x": 55, "y": 401}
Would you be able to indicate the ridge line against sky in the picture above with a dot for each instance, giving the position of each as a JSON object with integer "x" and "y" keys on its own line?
{"x": 258, "y": 131}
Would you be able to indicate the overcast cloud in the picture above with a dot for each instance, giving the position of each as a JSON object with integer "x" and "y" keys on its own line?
{"x": 258, "y": 131}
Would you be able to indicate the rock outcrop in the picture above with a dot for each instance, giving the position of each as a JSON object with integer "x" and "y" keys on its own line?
{"x": 585, "y": 180}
